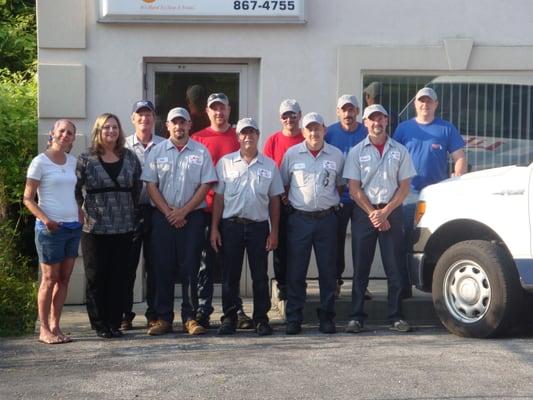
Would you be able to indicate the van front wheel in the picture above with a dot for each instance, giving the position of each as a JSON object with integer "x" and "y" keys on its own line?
{"x": 476, "y": 289}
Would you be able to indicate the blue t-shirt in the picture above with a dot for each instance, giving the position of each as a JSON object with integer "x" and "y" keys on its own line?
{"x": 344, "y": 141}
{"x": 429, "y": 146}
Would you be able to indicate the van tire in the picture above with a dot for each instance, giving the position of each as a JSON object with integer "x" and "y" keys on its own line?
{"x": 476, "y": 289}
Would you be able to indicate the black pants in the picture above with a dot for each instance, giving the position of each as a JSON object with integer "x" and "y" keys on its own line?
{"x": 106, "y": 261}
{"x": 141, "y": 239}
{"x": 343, "y": 217}
{"x": 236, "y": 238}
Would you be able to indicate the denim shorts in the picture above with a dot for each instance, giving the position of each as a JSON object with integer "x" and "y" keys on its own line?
{"x": 54, "y": 247}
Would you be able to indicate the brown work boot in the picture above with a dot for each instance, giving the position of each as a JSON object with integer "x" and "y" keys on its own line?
{"x": 160, "y": 328}
{"x": 194, "y": 328}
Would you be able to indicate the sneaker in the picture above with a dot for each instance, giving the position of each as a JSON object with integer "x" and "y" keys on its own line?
{"x": 263, "y": 329}
{"x": 368, "y": 295}
{"x": 194, "y": 328}
{"x": 244, "y": 321}
{"x": 354, "y": 326}
{"x": 327, "y": 326}
{"x": 126, "y": 325}
{"x": 160, "y": 328}
{"x": 400, "y": 326}
{"x": 227, "y": 327}
{"x": 293, "y": 328}
{"x": 202, "y": 319}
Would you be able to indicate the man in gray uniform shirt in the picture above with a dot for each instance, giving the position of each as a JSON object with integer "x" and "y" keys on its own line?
{"x": 247, "y": 197}
{"x": 178, "y": 173}
{"x": 141, "y": 142}
{"x": 378, "y": 171}
{"x": 312, "y": 174}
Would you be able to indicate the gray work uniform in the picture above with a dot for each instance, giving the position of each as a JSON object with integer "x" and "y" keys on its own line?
{"x": 313, "y": 193}
{"x": 178, "y": 175}
{"x": 247, "y": 187}
{"x": 380, "y": 177}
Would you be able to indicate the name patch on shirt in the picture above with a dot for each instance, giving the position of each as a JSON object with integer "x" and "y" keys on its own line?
{"x": 233, "y": 174}
{"x": 196, "y": 159}
{"x": 364, "y": 158}
{"x": 162, "y": 160}
{"x": 330, "y": 164}
{"x": 265, "y": 173}
{"x": 299, "y": 166}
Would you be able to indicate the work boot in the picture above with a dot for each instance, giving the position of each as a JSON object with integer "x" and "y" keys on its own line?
{"x": 160, "y": 328}
{"x": 228, "y": 327}
{"x": 193, "y": 328}
{"x": 202, "y": 319}
{"x": 244, "y": 321}
{"x": 293, "y": 328}
{"x": 326, "y": 323}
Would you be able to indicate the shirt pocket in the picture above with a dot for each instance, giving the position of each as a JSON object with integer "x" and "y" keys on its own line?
{"x": 299, "y": 178}
{"x": 262, "y": 184}
{"x": 164, "y": 170}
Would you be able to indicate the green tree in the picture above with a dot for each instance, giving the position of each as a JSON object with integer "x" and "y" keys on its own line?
{"x": 18, "y": 44}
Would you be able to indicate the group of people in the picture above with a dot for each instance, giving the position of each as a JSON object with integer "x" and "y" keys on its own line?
{"x": 195, "y": 203}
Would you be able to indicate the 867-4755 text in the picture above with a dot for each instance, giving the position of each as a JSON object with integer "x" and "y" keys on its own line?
{"x": 282, "y": 5}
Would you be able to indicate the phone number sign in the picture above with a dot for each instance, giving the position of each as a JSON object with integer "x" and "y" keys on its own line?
{"x": 201, "y": 11}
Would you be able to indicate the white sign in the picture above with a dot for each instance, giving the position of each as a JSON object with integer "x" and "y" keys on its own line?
{"x": 194, "y": 11}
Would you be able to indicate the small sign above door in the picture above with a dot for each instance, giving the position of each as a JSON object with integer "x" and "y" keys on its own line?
{"x": 203, "y": 11}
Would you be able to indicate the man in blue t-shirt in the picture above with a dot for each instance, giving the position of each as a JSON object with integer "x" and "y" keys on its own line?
{"x": 344, "y": 135}
{"x": 430, "y": 141}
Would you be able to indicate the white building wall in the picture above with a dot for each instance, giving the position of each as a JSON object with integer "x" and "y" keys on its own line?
{"x": 312, "y": 62}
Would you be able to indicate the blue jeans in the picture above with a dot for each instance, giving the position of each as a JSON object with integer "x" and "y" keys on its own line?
{"x": 175, "y": 250}
{"x": 391, "y": 245}
{"x": 236, "y": 238}
{"x": 303, "y": 234}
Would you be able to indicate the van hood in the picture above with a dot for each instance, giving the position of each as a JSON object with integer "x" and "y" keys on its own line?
{"x": 510, "y": 180}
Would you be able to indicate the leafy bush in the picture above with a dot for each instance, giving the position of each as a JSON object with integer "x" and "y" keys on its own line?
{"x": 18, "y": 144}
{"x": 18, "y": 305}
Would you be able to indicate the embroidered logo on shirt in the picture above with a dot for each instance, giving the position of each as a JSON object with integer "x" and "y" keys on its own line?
{"x": 196, "y": 159}
{"x": 265, "y": 173}
{"x": 330, "y": 164}
{"x": 298, "y": 166}
{"x": 395, "y": 155}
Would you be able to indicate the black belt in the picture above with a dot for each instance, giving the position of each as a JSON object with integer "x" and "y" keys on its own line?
{"x": 379, "y": 206}
{"x": 242, "y": 221}
{"x": 315, "y": 214}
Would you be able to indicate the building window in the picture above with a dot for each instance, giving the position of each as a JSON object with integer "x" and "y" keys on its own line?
{"x": 494, "y": 113}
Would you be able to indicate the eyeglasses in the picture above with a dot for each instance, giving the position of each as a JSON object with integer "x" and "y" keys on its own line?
{"x": 290, "y": 115}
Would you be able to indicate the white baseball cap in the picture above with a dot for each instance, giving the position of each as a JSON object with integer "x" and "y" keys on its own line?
{"x": 289, "y": 105}
{"x": 426, "y": 92}
{"x": 217, "y": 98}
{"x": 373, "y": 109}
{"x": 244, "y": 123}
{"x": 178, "y": 112}
{"x": 312, "y": 117}
{"x": 347, "y": 99}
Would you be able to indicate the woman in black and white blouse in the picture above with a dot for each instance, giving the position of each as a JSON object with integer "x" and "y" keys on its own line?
{"x": 108, "y": 190}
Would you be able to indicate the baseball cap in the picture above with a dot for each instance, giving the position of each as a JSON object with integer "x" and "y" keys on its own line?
{"x": 426, "y": 92}
{"x": 347, "y": 99}
{"x": 244, "y": 123}
{"x": 373, "y": 109}
{"x": 178, "y": 112}
{"x": 143, "y": 104}
{"x": 312, "y": 117}
{"x": 217, "y": 97}
{"x": 374, "y": 89}
{"x": 289, "y": 105}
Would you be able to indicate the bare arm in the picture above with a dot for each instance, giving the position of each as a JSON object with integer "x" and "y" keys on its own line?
{"x": 218, "y": 208}
{"x": 273, "y": 208}
{"x": 459, "y": 159}
{"x": 30, "y": 190}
